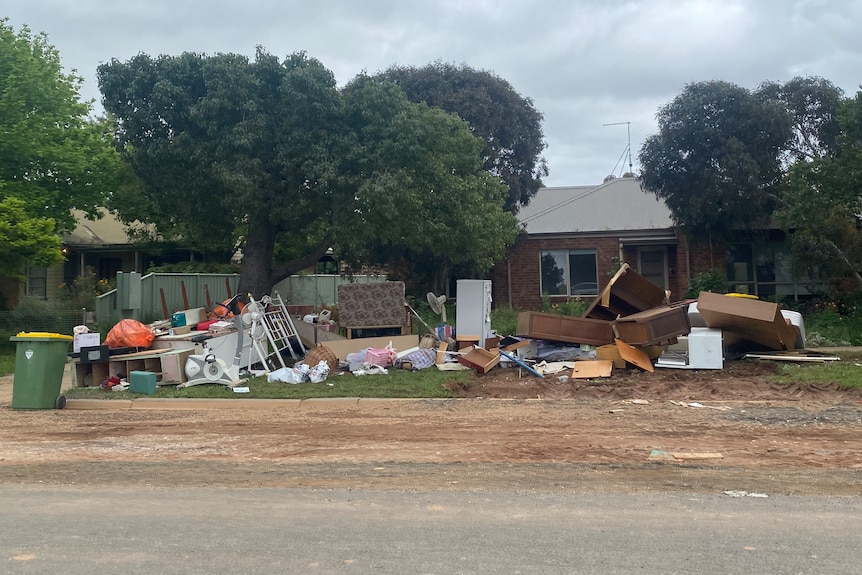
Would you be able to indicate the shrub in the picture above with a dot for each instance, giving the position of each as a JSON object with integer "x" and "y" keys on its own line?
{"x": 711, "y": 281}
{"x": 504, "y": 320}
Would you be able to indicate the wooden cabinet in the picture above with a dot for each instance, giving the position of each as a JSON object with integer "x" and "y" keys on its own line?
{"x": 653, "y": 326}
{"x": 168, "y": 365}
{"x": 538, "y": 325}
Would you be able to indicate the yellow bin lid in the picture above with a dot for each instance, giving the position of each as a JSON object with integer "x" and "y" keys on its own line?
{"x": 39, "y": 335}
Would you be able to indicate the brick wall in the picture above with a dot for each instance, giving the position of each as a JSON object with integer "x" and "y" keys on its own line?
{"x": 517, "y": 282}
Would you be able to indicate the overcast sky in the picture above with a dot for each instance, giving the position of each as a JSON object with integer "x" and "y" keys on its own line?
{"x": 584, "y": 63}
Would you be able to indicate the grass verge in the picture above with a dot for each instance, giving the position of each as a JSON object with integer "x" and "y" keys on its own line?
{"x": 847, "y": 372}
{"x": 399, "y": 383}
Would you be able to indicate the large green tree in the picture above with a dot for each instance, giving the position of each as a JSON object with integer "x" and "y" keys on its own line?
{"x": 822, "y": 208}
{"x": 717, "y": 158}
{"x": 272, "y": 153}
{"x": 53, "y": 156}
{"x": 812, "y": 103}
{"x": 25, "y": 239}
{"x": 507, "y": 122}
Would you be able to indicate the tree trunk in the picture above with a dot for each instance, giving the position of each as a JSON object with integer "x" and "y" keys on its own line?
{"x": 256, "y": 268}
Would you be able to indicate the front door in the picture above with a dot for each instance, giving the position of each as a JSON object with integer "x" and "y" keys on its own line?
{"x": 652, "y": 265}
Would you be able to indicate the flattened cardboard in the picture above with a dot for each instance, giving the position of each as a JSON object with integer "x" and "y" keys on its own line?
{"x": 588, "y": 369}
{"x": 627, "y": 292}
{"x": 634, "y": 355}
{"x": 748, "y": 324}
{"x": 342, "y": 347}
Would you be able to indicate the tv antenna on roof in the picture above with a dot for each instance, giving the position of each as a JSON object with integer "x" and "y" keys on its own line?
{"x": 628, "y": 150}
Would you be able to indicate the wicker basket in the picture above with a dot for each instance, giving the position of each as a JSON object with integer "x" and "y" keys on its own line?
{"x": 321, "y": 353}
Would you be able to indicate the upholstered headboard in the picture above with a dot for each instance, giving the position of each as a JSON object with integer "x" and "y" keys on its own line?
{"x": 371, "y": 305}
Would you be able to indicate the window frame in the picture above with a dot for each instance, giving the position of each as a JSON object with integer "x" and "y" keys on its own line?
{"x": 565, "y": 256}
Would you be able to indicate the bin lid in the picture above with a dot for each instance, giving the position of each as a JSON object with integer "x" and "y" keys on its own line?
{"x": 39, "y": 336}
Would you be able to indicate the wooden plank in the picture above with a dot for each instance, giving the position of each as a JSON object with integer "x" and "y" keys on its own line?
{"x": 706, "y": 455}
{"x": 791, "y": 356}
{"x": 634, "y": 355}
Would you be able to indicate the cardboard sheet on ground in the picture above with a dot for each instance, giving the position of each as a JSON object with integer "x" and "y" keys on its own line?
{"x": 589, "y": 369}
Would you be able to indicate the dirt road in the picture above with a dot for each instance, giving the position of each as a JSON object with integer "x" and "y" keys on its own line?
{"x": 703, "y": 431}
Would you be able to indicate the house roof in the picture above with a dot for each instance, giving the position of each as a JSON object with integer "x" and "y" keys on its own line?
{"x": 617, "y": 205}
{"x": 106, "y": 231}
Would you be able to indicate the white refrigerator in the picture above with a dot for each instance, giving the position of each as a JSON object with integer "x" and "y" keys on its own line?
{"x": 473, "y": 308}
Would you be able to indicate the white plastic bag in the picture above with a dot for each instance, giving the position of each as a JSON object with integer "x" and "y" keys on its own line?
{"x": 319, "y": 372}
{"x": 282, "y": 374}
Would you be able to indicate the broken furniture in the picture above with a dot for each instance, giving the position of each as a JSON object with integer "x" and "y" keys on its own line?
{"x": 372, "y": 306}
{"x": 479, "y": 359}
{"x": 627, "y": 292}
{"x": 656, "y": 325}
{"x": 167, "y": 364}
{"x": 555, "y": 327}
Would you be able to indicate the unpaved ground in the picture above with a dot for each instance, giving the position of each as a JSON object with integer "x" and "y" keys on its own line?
{"x": 636, "y": 431}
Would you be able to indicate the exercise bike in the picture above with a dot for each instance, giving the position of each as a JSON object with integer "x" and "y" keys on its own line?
{"x": 207, "y": 368}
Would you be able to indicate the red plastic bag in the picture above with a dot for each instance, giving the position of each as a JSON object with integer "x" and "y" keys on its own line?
{"x": 129, "y": 333}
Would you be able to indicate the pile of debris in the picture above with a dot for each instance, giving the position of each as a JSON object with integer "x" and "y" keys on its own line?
{"x": 631, "y": 323}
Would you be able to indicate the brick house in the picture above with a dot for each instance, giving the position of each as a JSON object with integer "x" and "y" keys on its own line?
{"x": 575, "y": 237}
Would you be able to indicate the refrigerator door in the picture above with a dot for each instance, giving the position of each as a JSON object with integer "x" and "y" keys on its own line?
{"x": 473, "y": 309}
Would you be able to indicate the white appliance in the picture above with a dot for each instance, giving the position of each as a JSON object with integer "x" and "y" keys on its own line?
{"x": 473, "y": 308}
{"x": 702, "y": 348}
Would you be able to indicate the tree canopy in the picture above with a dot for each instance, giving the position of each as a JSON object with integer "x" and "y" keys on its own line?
{"x": 822, "y": 208}
{"x": 509, "y": 123}
{"x": 273, "y": 155}
{"x": 53, "y": 157}
{"x": 25, "y": 239}
{"x": 717, "y": 158}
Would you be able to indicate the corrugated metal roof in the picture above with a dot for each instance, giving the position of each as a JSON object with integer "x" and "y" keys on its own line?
{"x": 616, "y": 205}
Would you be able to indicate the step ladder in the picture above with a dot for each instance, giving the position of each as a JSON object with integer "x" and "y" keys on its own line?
{"x": 271, "y": 321}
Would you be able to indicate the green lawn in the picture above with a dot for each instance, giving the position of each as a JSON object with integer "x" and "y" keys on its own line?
{"x": 7, "y": 364}
{"x": 398, "y": 383}
{"x": 427, "y": 383}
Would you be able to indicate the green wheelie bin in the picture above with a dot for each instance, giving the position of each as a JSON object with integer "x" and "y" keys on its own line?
{"x": 40, "y": 359}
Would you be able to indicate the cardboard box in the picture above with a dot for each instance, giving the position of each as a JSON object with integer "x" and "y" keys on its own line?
{"x": 748, "y": 324}
{"x": 194, "y": 316}
{"x": 182, "y": 330}
{"x": 479, "y": 359}
{"x": 85, "y": 340}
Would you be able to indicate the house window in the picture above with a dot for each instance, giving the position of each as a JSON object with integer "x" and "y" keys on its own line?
{"x": 767, "y": 270}
{"x": 570, "y": 273}
{"x": 37, "y": 282}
